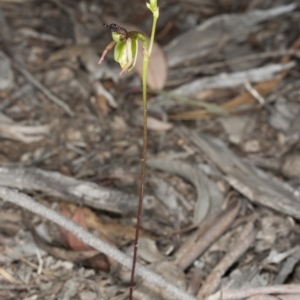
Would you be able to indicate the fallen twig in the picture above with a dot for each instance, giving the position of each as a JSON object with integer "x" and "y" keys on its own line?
{"x": 44, "y": 90}
{"x": 192, "y": 70}
{"x": 241, "y": 245}
{"x": 70, "y": 189}
{"x": 258, "y": 186}
{"x": 208, "y": 233}
{"x": 289, "y": 289}
{"x": 230, "y": 80}
{"x": 89, "y": 239}
{"x": 22, "y": 133}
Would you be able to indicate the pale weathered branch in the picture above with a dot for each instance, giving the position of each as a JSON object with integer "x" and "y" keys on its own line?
{"x": 71, "y": 189}
{"x": 28, "y": 203}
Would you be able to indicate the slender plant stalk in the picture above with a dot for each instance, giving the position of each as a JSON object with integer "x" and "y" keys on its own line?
{"x": 125, "y": 54}
{"x": 146, "y": 59}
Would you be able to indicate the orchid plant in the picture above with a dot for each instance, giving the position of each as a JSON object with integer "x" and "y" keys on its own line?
{"x": 125, "y": 53}
{"x": 126, "y": 46}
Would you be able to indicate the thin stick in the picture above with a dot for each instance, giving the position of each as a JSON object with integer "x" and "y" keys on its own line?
{"x": 241, "y": 245}
{"x": 27, "y": 202}
{"x": 254, "y": 93}
{"x": 44, "y": 90}
{"x": 248, "y": 292}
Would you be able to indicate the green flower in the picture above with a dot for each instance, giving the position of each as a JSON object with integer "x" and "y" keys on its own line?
{"x": 126, "y": 47}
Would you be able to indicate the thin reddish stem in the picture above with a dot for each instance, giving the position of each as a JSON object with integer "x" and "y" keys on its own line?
{"x": 143, "y": 172}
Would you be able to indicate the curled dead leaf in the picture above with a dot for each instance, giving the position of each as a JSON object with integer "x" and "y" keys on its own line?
{"x": 78, "y": 248}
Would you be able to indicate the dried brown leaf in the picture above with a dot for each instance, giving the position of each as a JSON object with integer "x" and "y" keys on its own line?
{"x": 73, "y": 242}
{"x": 118, "y": 233}
{"x": 263, "y": 88}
